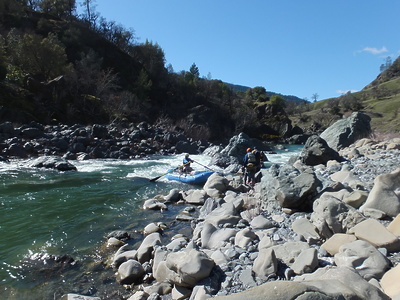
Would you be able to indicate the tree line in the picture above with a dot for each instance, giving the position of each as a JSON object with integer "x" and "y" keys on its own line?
{"x": 58, "y": 66}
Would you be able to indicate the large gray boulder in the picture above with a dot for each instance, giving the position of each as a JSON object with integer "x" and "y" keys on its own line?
{"x": 345, "y": 132}
{"x": 238, "y": 144}
{"x": 316, "y": 151}
{"x": 292, "y": 188}
{"x": 331, "y": 215}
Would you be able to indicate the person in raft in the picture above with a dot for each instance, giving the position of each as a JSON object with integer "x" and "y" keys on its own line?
{"x": 186, "y": 162}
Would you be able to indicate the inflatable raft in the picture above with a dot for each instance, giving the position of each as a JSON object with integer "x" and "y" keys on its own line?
{"x": 197, "y": 177}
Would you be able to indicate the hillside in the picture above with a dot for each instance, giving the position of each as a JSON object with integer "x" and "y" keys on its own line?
{"x": 243, "y": 89}
{"x": 58, "y": 68}
{"x": 380, "y": 100}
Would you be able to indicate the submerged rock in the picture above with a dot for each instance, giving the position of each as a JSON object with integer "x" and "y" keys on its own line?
{"x": 51, "y": 162}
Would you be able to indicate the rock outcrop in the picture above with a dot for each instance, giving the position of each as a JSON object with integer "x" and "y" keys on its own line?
{"x": 345, "y": 132}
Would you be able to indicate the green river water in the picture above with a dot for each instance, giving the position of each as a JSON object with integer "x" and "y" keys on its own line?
{"x": 45, "y": 212}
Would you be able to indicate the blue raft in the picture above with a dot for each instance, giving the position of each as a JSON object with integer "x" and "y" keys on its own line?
{"x": 198, "y": 177}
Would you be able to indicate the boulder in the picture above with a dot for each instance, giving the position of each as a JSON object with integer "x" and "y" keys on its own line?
{"x": 375, "y": 233}
{"x": 123, "y": 254}
{"x": 384, "y": 196}
{"x": 327, "y": 283}
{"x": 245, "y": 237}
{"x": 188, "y": 267}
{"x": 237, "y": 146}
{"x": 216, "y": 185}
{"x": 180, "y": 292}
{"x": 390, "y": 282}
{"x": 173, "y": 196}
{"x": 364, "y": 258}
{"x": 154, "y": 204}
{"x": 213, "y": 238}
{"x": 296, "y": 189}
{"x": 130, "y": 272}
{"x": 333, "y": 244}
{"x": 227, "y": 213}
{"x": 261, "y": 222}
{"x": 394, "y": 226}
{"x": 150, "y": 228}
{"x": 99, "y": 131}
{"x": 32, "y": 133}
{"x": 345, "y": 132}
{"x": 316, "y": 151}
{"x": 197, "y": 197}
{"x": 51, "y": 162}
{"x": 139, "y": 295}
{"x": 306, "y": 262}
{"x": 158, "y": 288}
{"x": 288, "y": 251}
{"x": 304, "y": 228}
{"x": 330, "y": 215}
{"x": 144, "y": 252}
{"x": 356, "y": 198}
{"x": 266, "y": 264}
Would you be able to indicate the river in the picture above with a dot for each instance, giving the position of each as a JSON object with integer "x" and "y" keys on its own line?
{"x": 45, "y": 212}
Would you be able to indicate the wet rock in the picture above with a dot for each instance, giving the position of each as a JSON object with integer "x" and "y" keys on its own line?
{"x": 51, "y": 162}
{"x": 123, "y": 254}
{"x": 144, "y": 252}
{"x": 154, "y": 204}
{"x": 78, "y": 297}
{"x": 130, "y": 272}
{"x": 195, "y": 197}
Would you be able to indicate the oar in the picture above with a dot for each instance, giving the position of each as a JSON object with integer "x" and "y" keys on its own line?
{"x": 203, "y": 165}
{"x": 158, "y": 177}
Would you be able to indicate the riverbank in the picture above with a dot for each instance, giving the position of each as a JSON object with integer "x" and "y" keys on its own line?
{"x": 245, "y": 244}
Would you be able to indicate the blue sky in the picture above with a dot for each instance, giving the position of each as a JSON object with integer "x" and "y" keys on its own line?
{"x": 290, "y": 47}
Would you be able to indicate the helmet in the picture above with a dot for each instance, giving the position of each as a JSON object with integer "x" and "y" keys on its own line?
{"x": 248, "y": 149}
{"x": 186, "y": 154}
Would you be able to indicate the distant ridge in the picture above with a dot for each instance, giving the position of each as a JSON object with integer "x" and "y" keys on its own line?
{"x": 243, "y": 89}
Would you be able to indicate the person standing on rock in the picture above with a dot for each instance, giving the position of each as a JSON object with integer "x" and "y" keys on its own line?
{"x": 258, "y": 159}
{"x": 186, "y": 163}
{"x": 249, "y": 164}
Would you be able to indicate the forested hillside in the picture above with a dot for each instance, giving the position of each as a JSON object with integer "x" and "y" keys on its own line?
{"x": 56, "y": 66}
{"x": 60, "y": 67}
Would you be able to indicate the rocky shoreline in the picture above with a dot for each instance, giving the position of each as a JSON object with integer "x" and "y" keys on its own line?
{"x": 326, "y": 225}
{"x": 244, "y": 245}
{"x": 125, "y": 141}
{"x": 328, "y": 229}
